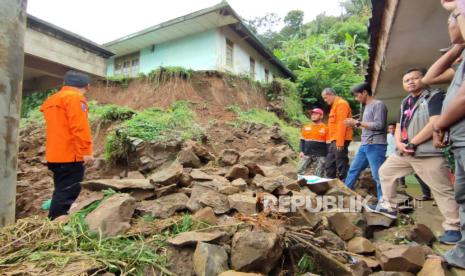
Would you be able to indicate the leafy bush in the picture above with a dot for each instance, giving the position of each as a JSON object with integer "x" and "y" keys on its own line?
{"x": 292, "y": 102}
{"x": 153, "y": 125}
{"x": 33, "y": 101}
{"x": 292, "y": 134}
{"x": 109, "y": 112}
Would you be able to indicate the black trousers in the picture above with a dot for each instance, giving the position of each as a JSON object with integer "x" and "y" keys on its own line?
{"x": 66, "y": 178}
{"x": 337, "y": 162}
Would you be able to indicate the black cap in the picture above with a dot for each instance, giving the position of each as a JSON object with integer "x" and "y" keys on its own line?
{"x": 76, "y": 79}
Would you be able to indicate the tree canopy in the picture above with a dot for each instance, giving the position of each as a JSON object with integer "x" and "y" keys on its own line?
{"x": 329, "y": 51}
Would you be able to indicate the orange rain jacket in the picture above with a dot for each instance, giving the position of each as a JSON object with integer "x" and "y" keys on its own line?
{"x": 340, "y": 110}
{"x": 67, "y": 126}
{"x": 313, "y": 140}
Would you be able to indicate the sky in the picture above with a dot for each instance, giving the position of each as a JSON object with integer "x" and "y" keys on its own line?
{"x": 105, "y": 20}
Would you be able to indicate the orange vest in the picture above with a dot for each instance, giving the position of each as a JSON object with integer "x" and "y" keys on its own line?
{"x": 315, "y": 132}
{"x": 340, "y": 110}
{"x": 68, "y": 136}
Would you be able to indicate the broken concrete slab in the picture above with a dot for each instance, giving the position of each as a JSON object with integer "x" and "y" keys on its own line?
{"x": 165, "y": 206}
{"x": 117, "y": 184}
{"x": 210, "y": 259}
{"x": 361, "y": 245}
{"x": 190, "y": 238}
{"x": 342, "y": 226}
{"x": 112, "y": 216}
{"x": 255, "y": 251}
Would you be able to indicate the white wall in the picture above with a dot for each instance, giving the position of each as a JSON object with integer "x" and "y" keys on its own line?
{"x": 241, "y": 56}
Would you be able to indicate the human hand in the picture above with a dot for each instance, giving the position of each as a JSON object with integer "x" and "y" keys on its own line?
{"x": 438, "y": 139}
{"x": 350, "y": 122}
{"x": 402, "y": 147}
{"x": 301, "y": 155}
{"x": 88, "y": 160}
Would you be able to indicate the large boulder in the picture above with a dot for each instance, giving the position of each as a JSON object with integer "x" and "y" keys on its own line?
{"x": 207, "y": 195}
{"x": 244, "y": 203}
{"x": 360, "y": 245}
{"x": 210, "y": 259}
{"x": 168, "y": 175}
{"x": 165, "y": 206}
{"x": 228, "y": 157}
{"x": 433, "y": 266}
{"x": 206, "y": 215}
{"x": 202, "y": 153}
{"x": 401, "y": 257}
{"x": 199, "y": 175}
{"x": 117, "y": 184}
{"x": 237, "y": 171}
{"x": 271, "y": 184}
{"x": 255, "y": 251}
{"x": 112, "y": 216}
{"x": 342, "y": 226}
{"x": 188, "y": 158}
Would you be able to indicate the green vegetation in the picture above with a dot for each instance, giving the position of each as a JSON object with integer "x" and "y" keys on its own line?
{"x": 109, "y": 112}
{"x": 306, "y": 264}
{"x": 158, "y": 76}
{"x": 329, "y": 51}
{"x": 269, "y": 119}
{"x": 49, "y": 246}
{"x": 292, "y": 103}
{"x": 153, "y": 125}
{"x": 32, "y": 102}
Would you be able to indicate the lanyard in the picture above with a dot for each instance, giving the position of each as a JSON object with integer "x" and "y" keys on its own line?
{"x": 408, "y": 115}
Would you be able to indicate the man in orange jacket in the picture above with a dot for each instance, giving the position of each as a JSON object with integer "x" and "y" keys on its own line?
{"x": 339, "y": 136}
{"x": 68, "y": 146}
{"x": 313, "y": 144}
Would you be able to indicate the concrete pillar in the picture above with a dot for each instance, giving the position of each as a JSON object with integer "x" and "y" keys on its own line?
{"x": 12, "y": 29}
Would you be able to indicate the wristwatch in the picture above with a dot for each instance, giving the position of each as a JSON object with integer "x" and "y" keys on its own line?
{"x": 358, "y": 124}
{"x": 411, "y": 146}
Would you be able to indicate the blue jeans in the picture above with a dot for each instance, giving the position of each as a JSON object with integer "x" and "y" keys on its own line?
{"x": 372, "y": 155}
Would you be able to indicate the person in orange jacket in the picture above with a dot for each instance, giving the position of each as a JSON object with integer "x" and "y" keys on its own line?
{"x": 68, "y": 147}
{"x": 313, "y": 144}
{"x": 340, "y": 135}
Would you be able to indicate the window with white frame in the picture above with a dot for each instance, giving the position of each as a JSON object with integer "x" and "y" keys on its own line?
{"x": 127, "y": 66}
{"x": 229, "y": 53}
